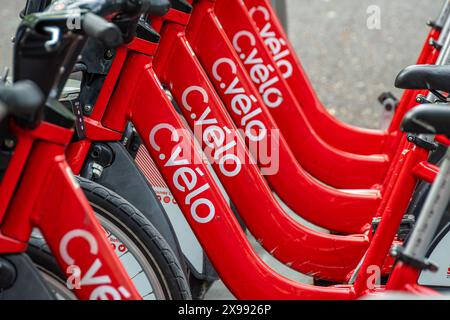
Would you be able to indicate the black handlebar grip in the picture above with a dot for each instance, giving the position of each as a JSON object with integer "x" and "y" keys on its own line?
{"x": 155, "y": 7}
{"x": 96, "y": 27}
{"x": 23, "y": 97}
{"x": 23, "y": 100}
{"x": 181, "y": 5}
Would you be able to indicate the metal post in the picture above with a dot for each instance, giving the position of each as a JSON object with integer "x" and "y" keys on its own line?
{"x": 431, "y": 214}
{"x": 445, "y": 12}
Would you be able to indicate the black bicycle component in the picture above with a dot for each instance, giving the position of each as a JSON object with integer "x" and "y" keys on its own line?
{"x": 407, "y": 224}
{"x": 4, "y": 76}
{"x": 56, "y": 113}
{"x": 388, "y": 101}
{"x": 419, "y": 264}
{"x": 8, "y": 274}
{"x": 47, "y": 46}
{"x": 33, "y": 6}
{"x": 98, "y": 28}
{"x": 71, "y": 101}
{"x": 432, "y": 23}
{"x": 24, "y": 101}
{"x": 181, "y": 5}
{"x": 130, "y": 8}
{"x": 100, "y": 157}
{"x": 422, "y": 143}
{"x": 424, "y": 77}
{"x": 436, "y": 44}
{"x": 428, "y": 119}
{"x": 122, "y": 176}
{"x": 47, "y": 49}
{"x": 154, "y": 7}
{"x": 25, "y": 281}
{"x": 102, "y": 154}
{"x": 422, "y": 99}
{"x": 146, "y": 32}
{"x": 44, "y": 55}
{"x": 440, "y": 97}
{"x": 8, "y": 144}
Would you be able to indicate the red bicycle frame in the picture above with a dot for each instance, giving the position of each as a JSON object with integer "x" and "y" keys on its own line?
{"x": 336, "y": 219}
{"x": 273, "y": 227}
{"x": 140, "y": 98}
{"x": 338, "y": 210}
{"x": 39, "y": 191}
{"x": 336, "y": 133}
{"x": 334, "y": 167}
{"x": 233, "y": 164}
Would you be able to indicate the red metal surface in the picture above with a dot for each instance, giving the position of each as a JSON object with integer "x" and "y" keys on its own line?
{"x": 200, "y": 200}
{"x": 76, "y": 154}
{"x": 426, "y": 171}
{"x": 392, "y": 214}
{"x": 330, "y": 208}
{"x": 49, "y": 198}
{"x": 140, "y": 97}
{"x": 336, "y": 133}
{"x": 404, "y": 278}
{"x": 109, "y": 84}
{"x": 443, "y": 140}
{"x": 326, "y": 163}
{"x": 173, "y": 150}
{"x": 309, "y": 253}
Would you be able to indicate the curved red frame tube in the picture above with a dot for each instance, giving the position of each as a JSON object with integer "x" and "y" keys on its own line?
{"x": 322, "y": 205}
{"x": 173, "y": 150}
{"x": 336, "y": 133}
{"x": 192, "y": 185}
{"x": 48, "y": 197}
{"x": 136, "y": 97}
{"x": 328, "y": 164}
{"x": 242, "y": 180}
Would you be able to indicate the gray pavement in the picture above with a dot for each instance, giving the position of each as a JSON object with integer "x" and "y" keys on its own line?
{"x": 9, "y": 19}
{"x": 349, "y": 65}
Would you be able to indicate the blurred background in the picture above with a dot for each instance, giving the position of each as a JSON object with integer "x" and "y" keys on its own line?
{"x": 348, "y": 63}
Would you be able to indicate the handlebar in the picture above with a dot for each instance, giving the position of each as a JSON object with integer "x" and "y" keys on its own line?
{"x": 105, "y": 8}
{"x": 100, "y": 29}
{"x": 50, "y": 41}
{"x": 156, "y": 7}
{"x": 89, "y": 16}
{"x": 153, "y": 7}
{"x": 24, "y": 100}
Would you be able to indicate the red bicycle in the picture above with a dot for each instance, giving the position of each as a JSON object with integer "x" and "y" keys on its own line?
{"x": 145, "y": 254}
{"x": 173, "y": 149}
{"x": 37, "y": 172}
{"x": 338, "y": 134}
{"x": 338, "y": 211}
{"x": 195, "y": 102}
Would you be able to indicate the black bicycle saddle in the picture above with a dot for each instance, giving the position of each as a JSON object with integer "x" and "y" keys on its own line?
{"x": 424, "y": 77}
{"x": 428, "y": 119}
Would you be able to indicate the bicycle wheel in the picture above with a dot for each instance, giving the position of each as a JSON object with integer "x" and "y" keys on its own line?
{"x": 146, "y": 256}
